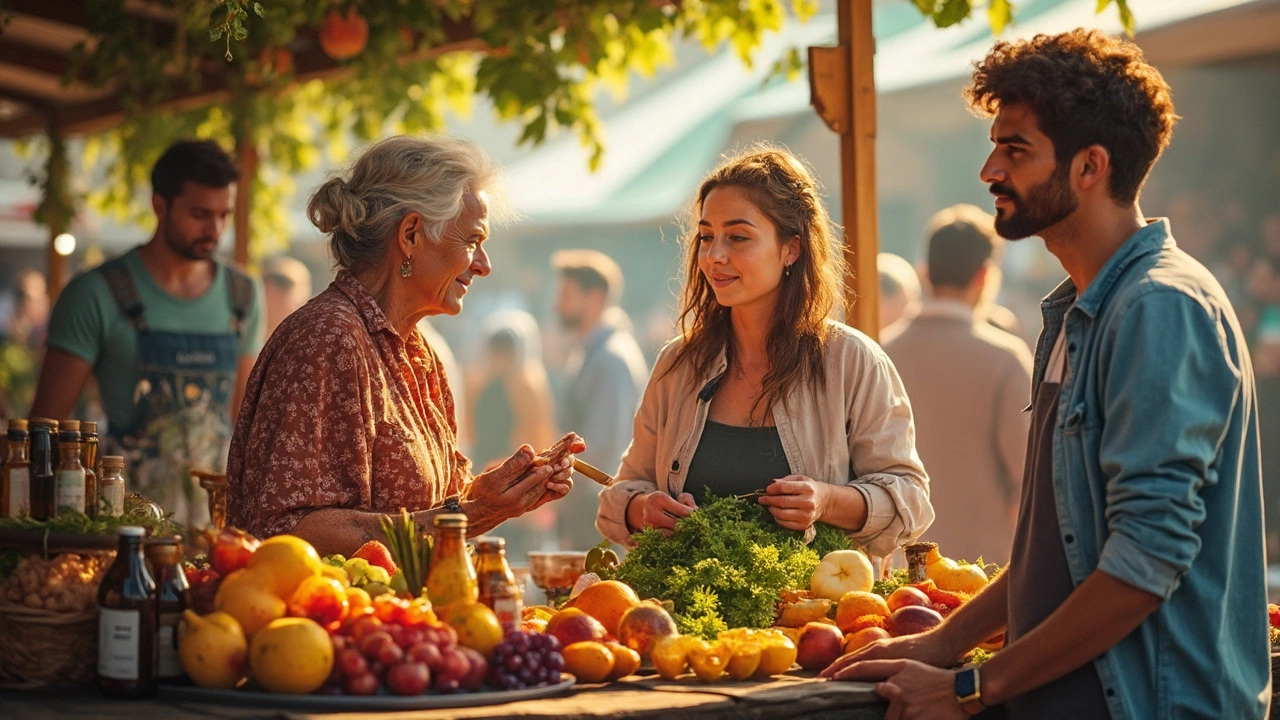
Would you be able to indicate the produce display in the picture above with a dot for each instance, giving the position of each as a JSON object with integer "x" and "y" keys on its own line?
{"x": 66, "y": 583}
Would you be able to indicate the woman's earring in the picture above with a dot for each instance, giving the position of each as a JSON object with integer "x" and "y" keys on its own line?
{"x": 787, "y": 270}
{"x": 406, "y": 269}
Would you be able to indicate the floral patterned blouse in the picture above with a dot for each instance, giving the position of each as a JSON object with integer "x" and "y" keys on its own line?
{"x": 342, "y": 412}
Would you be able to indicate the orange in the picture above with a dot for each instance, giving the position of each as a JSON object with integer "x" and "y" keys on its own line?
{"x": 288, "y": 560}
{"x": 606, "y": 601}
{"x": 291, "y": 655}
{"x": 855, "y": 604}
{"x": 625, "y": 660}
{"x": 589, "y": 662}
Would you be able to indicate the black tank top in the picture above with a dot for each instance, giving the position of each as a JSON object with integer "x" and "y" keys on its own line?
{"x": 733, "y": 460}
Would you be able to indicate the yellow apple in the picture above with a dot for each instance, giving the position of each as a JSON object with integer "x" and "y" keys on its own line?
{"x": 840, "y": 572}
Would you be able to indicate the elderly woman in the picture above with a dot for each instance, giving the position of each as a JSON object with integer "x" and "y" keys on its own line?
{"x": 762, "y": 392}
{"x": 347, "y": 414}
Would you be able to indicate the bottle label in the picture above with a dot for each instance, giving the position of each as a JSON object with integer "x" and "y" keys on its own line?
{"x": 69, "y": 489}
{"x": 19, "y": 492}
{"x": 111, "y": 500}
{"x": 170, "y": 665}
{"x": 119, "y": 635}
{"x": 509, "y": 611}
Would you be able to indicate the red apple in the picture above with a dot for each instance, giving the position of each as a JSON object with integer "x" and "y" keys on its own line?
{"x": 343, "y": 36}
{"x": 905, "y": 596}
{"x": 819, "y": 645}
{"x": 571, "y": 627}
{"x": 912, "y": 619}
{"x": 230, "y": 550}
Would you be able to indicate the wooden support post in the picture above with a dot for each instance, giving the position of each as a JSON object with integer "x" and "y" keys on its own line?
{"x": 247, "y": 160}
{"x": 842, "y": 81}
{"x": 57, "y": 214}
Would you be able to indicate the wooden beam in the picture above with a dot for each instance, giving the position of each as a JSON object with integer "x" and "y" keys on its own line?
{"x": 858, "y": 169}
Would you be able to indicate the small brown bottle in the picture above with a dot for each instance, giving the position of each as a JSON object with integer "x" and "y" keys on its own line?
{"x": 15, "y": 493}
{"x": 89, "y": 458}
{"x": 164, "y": 557}
{"x": 127, "y": 618}
{"x": 498, "y": 588}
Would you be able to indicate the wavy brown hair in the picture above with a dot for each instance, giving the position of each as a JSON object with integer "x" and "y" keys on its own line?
{"x": 782, "y": 187}
{"x": 1085, "y": 88}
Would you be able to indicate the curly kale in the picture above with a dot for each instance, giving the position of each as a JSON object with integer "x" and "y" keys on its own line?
{"x": 725, "y": 565}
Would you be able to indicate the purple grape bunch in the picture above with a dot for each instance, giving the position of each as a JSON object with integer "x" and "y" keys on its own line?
{"x": 524, "y": 660}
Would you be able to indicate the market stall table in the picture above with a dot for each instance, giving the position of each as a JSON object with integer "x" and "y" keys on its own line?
{"x": 632, "y": 699}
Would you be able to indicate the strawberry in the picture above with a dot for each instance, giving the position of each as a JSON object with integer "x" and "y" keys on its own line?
{"x": 375, "y": 553}
{"x": 1273, "y": 614}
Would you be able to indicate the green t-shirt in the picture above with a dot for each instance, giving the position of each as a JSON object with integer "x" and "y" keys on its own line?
{"x": 87, "y": 323}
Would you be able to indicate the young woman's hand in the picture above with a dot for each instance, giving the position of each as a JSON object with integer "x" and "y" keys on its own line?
{"x": 795, "y": 501}
{"x": 658, "y": 510}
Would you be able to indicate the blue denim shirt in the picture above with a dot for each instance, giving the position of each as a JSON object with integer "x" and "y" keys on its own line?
{"x": 1158, "y": 480}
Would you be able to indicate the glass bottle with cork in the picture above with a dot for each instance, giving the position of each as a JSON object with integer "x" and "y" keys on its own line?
{"x": 452, "y": 578}
{"x": 15, "y": 490}
{"x": 69, "y": 484}
{"x": 42, "y": 431}
{"x": 498, "y": 589}
{"x": 127, "y": 618}
{"x": 111, "y": 490}
{"x": 164, "y": 558}
{"x": 89, "y": 458}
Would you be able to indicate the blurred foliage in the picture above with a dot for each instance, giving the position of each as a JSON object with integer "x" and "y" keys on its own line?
{"x": 541, "y": 63}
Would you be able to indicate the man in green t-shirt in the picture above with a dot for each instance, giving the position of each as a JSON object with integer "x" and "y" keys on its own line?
{"x": 169, "y": 333}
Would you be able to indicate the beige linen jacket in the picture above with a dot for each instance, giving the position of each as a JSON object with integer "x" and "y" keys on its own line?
{"x": 857, "y": 430}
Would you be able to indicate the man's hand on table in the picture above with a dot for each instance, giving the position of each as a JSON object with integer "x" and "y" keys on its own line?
{"x": 913, "y": 689}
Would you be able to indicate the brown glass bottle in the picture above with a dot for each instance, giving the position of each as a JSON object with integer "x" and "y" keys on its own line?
{"x": 89, "y": 458}
{"x": 42, "y": 467}
{"x": 15, "y": 485}
{"x": 127, "y": 618}
{"x": 70, "y": 477}
{"x": 498, "y": 588}
{"x": 164, "y": 558}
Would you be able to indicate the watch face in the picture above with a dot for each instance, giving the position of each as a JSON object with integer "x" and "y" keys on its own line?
{"x": 965, "y": 685}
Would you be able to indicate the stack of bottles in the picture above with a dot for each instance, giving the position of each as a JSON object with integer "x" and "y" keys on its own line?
{"x": 51, "y": 466}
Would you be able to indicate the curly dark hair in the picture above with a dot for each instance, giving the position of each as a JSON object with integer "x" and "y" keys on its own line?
{"x": 785, "y": 190}
{"x": 1085, "y": 88}
{"x": 199, "y": 161}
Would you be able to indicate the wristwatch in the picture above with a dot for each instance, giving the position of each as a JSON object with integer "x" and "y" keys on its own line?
{"x": 969, "y": 690}
{"x": 453, "y": 505}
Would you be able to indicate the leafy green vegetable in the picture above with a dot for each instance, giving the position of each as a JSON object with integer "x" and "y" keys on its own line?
{"x": 724, "y": 566}
{"x": 886, "y": 586}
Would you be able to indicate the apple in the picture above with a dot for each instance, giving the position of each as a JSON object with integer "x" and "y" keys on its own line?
{"x": 864, "y": 637}
{"x": 907, "y": 596}
{"x": 571, "y": 626}
{"x": 912, "y": 619}
{"x": 820, "y": 644}
{"x": 840, "y": 572}
{"x": 343, "y": 36}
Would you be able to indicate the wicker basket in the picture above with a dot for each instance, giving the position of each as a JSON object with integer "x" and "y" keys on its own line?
{"x": 40, "y": 648}
{"x": 44, "y": 646}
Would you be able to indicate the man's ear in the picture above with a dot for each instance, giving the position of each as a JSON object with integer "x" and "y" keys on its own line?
{"x": 410, "y": 234}
{"x": 159, "y": 206}
{"x": 1095, "y": 166}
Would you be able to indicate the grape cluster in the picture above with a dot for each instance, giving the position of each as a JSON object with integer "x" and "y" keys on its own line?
{"x": 525, "y": 659}
{"x": 407, "y": 659}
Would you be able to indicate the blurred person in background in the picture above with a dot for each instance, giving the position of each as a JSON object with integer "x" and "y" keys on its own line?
{"x": 30, "y": 319}
{"x": 763, "y": 393}
{"x": 169, "y": 333}
{"x": 899, "y": 289}
{"x": 968, "y": 382}
{"x": 286, "y": 286}
{"x": 605, "y": 375}
{"x": 511, "y": 400}
{"x": 21, "y": 342}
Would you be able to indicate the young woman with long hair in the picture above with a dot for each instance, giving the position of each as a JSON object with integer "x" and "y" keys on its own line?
{"x": 762, "y": 391}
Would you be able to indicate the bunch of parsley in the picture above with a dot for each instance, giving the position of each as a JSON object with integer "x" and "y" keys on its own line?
{"x": 725, "y": 565}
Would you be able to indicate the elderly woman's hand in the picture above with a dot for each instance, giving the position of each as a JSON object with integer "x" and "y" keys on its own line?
{"x": 518, "y": 486}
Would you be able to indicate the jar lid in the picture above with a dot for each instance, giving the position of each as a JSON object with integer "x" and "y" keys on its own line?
{"x": 44, "y": 422}
{"x": 451, "y": 520}
{"x": 17, "y": 424}
{"x": 113, "y": 461}
{"x": 131, "y": 531}
{"x": 70, "y": 426}
{"x": 490, "y": 544}
{"x": 89, "y": 426}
